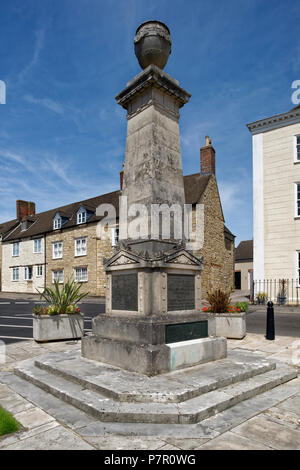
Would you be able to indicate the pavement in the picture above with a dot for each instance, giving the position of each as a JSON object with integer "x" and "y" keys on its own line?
{"x": 269, "y": 421}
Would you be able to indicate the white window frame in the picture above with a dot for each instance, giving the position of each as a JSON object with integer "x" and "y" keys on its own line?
{"x": 296, "y": 198}
{"x": 296, "y": 159}
{"x": 26, "y": 273}
{"x": 15, "y": 278}
{"x": 39, "y": 268}
{"x": 81, "y": 216}
{"x": 35, "y": 242}
{"x": 80, "y": 278}
{"x": 80, "y": 251}
{"x": 56, "y": 251}
{"x": 114, "y": 236}
{"x": 57, "y": 222}
{"x": 60, "y": 277}
{"x": 13, "y": 249}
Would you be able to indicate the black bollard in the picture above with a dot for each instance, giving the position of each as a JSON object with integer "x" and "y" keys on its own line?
{"x": 270, "y": 333}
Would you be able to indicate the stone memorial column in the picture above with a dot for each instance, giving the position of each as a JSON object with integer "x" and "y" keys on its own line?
{"x": 153, "y": 321}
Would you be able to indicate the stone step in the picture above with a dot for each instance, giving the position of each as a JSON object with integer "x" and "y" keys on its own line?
{"x": 173, "y": 387}
{"x": 188, "y": 412}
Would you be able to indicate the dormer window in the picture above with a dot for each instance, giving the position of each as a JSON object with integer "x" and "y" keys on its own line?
{"x": 57, "y": 222}
{"x": 81, "y": 216}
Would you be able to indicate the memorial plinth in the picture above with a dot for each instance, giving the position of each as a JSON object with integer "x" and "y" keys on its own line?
{"x": 153, "y": 321}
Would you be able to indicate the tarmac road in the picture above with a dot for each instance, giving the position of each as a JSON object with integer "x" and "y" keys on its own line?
{"x": 16, "y": 318}
{"x": 287, "y": 323}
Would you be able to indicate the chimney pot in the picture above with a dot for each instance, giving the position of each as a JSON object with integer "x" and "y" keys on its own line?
{"x": 207, "y": 158}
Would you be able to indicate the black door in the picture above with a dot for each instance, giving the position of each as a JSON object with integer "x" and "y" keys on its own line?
{"x": 237, "y": 279}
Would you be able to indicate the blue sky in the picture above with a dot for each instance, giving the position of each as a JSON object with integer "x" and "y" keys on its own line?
{"x": 62, "y": 135}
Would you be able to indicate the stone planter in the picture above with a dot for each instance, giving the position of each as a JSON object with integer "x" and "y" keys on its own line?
{"x": 58, "y": 327}
{"x": 281, "y": 300}
{"x": 231, "y": 325}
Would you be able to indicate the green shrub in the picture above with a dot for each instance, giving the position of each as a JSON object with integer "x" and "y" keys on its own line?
{"x": 243, "y": 306}
{"x": 8, "y": 424}
{"x": 62, "y": 300}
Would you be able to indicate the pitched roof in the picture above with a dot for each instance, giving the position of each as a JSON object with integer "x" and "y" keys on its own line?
{"x": 7, "y": 226}
{"x": 244, "y": 251}
{"x": 228, "y": 234}
{"x": 43, "y": 222}
{"x": 194, "y": 186}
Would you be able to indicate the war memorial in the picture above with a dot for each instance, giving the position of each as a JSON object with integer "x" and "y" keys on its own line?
{"x": 154, "y": 356}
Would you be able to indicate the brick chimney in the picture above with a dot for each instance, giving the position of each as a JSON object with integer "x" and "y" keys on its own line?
{"x": 25, "y": 208}
{"x": 207, "y": 158}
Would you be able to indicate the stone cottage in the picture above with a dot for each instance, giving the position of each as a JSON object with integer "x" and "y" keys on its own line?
{"x": 64, "y": 242}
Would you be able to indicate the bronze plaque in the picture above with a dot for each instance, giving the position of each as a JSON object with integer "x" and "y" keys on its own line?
{"x": 125, "y": 292}
{"x": 181, "y": 292}
{"x": 186, "y": 331}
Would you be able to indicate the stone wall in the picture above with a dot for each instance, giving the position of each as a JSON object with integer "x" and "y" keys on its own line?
{"x": 93, "y": 260}
{"x": 218, "y": 270}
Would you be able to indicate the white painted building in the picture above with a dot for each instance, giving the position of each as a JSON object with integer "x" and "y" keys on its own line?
{"x": 276, "y": 196}
{"x": 23, "y": 265}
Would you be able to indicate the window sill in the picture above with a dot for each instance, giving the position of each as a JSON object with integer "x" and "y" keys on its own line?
{"x": 79, "y": 256}
{"x": 58, "y": 258}
{"x": 76, "y": 280}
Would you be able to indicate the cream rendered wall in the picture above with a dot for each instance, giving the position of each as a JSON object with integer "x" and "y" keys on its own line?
{"x": 281, "y": 228}
{"x": 244, "y": 267}
{"x": 26, "y": 258}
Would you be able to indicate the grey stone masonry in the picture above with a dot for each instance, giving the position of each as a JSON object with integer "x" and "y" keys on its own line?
{"x": 183, "y": 397}
{"x": 153, "y": 167}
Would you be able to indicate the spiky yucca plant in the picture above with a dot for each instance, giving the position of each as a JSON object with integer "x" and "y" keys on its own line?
{"x": 63, "y": 297}
{"x": 219, "y": 300}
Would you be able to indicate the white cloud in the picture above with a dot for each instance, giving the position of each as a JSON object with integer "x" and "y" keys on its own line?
{"x": 39, "y": 44}
{"x": 230, "y": 194}
{"x": 46, "y": 103}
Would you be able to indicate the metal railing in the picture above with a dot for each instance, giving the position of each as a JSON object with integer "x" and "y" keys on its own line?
{"x": 280, "y": 291}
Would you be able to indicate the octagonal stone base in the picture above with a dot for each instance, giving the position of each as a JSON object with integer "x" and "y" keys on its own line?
{"x": 152, "y": 359}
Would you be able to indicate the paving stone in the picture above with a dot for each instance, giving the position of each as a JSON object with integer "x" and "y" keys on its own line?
{"x": 267, "y": 432}
{"x": 291, "y": 405}
{"x": 58, "y": 438}
{"x": 14, "y": 403}
{"x": 4, "y": 391}
{"x": 8, "y": 439}
{"x": 37, "y": 430}
{"x": 125, "y": 443}
{"x": 186, "y": 444}
{"x": 286, "y": 419}
{"x": 230, "y": 441}
{"x": 33, "y": 418}
{"x": 20, "y": 435}
{"x": 65, "y": 413}
{"x": 142, "y": 429}
{"x": 169, "y": 447}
